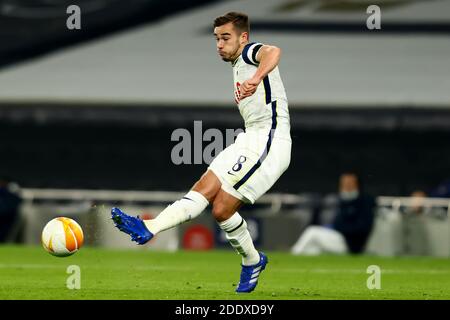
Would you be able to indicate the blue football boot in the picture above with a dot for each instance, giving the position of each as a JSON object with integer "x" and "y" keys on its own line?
{"x": 250, "y": 274}
{"x": 133, "y": 226}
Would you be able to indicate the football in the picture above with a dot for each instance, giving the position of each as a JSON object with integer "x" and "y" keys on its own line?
{"x": 62, "y": 237}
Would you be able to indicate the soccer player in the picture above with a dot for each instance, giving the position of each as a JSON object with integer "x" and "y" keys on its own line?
{"x": 246, "y": 169}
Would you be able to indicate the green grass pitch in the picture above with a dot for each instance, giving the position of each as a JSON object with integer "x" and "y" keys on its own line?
{"x": 31, "y": 273}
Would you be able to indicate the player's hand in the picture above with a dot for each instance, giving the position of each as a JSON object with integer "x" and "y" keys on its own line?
{"x": 248, "y": 88}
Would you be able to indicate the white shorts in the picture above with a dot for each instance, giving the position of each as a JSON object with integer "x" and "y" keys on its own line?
{"x": 253, "y": 163}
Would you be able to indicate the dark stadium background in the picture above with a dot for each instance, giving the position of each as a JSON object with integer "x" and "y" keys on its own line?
{"x": 121, "y": 148}
{"x": 77, "y": 145}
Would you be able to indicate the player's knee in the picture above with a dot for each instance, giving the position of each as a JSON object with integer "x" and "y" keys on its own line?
{"x": 220, "y": 211}
{"x": 208, "y": 186}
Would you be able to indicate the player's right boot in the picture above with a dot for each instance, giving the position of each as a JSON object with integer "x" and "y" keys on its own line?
{"x": 133, "y": 226}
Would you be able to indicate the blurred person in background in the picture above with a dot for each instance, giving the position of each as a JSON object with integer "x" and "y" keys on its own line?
{"x": 9, "y": 207}
{"x": 417, "y": 205}
{"x": 415, "y": 237}
{"x": 349, "y": 231}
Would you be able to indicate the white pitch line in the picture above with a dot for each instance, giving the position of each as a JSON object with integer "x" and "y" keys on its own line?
{"x": 29, "y": 266}
{"x": 356, "y": 271}
{"x": 51, "y": 266}
{"x": 177, "y": 268}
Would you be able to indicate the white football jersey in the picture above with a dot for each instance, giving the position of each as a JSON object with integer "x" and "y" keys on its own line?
{"x": 251, "y": 165}
{"x": 268, "y": 106}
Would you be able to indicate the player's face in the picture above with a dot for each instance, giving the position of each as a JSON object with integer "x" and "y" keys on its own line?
{"x": 229, "y": 41}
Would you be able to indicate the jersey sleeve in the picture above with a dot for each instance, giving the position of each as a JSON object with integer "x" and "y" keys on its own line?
{"x": 250, "y": 51}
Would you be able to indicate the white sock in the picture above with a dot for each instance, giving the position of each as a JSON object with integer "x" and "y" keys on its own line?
{"x": 185, "y": 209}
{"x": 237, "y": 234}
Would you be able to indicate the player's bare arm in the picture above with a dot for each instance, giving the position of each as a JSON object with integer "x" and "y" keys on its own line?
{"x": 268, "y": 58}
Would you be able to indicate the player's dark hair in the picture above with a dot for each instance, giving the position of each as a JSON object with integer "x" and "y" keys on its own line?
{"x": 238, "y": 19}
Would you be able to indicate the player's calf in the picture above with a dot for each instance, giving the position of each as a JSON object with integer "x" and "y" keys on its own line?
{"x": 185, "y": 209}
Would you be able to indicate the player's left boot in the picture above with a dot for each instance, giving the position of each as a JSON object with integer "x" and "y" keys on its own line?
{"x": 133, "y": 226}
{"x": 250, "y": 274}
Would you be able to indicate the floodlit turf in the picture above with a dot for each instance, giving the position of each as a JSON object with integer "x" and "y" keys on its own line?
{"x": 31, "y": 273}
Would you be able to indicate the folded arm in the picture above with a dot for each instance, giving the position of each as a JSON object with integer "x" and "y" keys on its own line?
{"x": 268, "y": 58}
